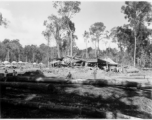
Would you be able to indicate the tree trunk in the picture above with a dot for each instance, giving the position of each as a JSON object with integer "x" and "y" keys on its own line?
{"x": 48, "y": 58}
{"x": 7, "y": 58}
{"x": 95, "y": 50}
{"x": 86, "y": 49}
{"x": 71, "y": 43}
{"x": 59, "y": 51}
{"x": 48, "y": 52}
{"x": 135, "y": 50}
{"x": 19, "y": 56}
{"x": 26, "y": 58}
{"x": 63, "y": 53}
{"x": 98, "y": 49}
{"x": 68, "y": 51}
{"x": 33, "y": 57}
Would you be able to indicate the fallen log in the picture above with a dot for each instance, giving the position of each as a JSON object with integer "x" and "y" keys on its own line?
{"x": 113, "y": 83}
{"x": 74, "y": 83}
{"x": 133, "y": 77}
{"x": 38, "y": 79}
{"x": 145, "y": 86}
{"x": 30, "y": 86}
{"x": 137, "y": 74}
{"x": 122, "y": 116}
{"x": 57, "y": 108}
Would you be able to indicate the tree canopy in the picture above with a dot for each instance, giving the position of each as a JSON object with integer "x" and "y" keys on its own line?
{"x": 137, "y": 14}
{"x": 97, "y": 31}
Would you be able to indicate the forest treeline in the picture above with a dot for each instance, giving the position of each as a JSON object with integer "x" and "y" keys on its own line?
{"x": 133, "y": 39}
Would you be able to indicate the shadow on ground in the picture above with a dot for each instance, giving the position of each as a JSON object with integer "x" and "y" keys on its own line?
{"x": 113, "y": 99}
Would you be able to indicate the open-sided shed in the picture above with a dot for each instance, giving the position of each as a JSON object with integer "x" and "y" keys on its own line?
{"x": 107, "y": 63}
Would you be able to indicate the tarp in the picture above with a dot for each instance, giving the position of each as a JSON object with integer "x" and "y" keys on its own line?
{"x": 14, "y": 62}
{"x": 53, "y": 62}
{"x": 67, "y": 60}
{"x": 110, "y": 61}
{"x": 20, "y": 62}
{"x": 5, "y": 62}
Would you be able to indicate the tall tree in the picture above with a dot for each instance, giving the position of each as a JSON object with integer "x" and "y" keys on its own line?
{"x": 67, "y": 37}
{"x": 123, "y": 36}
{"x": 86, "y": 37}
{"x": 137, "y": 14}
{"x": 47, "y": 34}
{"x": 55, "y": 26}
{"x": 97, "y": 31}
{"x": 67, "y": 9}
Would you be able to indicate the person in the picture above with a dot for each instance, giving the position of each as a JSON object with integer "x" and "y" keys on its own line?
{"x": 5, "y": 75}
{"x": 13, "y": 72}
{"x": 69, "y": 76}
{"x": 95, "y": 72}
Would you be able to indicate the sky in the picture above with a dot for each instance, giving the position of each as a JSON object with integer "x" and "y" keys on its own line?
{"x": 27, "y": 17}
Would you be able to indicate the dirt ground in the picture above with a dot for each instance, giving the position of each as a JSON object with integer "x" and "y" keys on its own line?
{"x": 88, "y": 73}
{"x": 79, "y": 73}
{"x": 132, "y": 102}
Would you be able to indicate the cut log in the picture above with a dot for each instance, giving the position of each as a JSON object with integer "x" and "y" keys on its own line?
{"x": 122, "y": 116}
{"x": 144, "y": 86}
{"x": 35, "y": 79}
{"x": 50, "y": 85}
{"x": 57, "y": 108}
{"x": 30, "y": 86}
{"x": 134, "y": 77}
{"x": 137, "y": 74}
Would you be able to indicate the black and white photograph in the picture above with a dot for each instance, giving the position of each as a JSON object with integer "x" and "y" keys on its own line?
{"x": 75, "y": 59}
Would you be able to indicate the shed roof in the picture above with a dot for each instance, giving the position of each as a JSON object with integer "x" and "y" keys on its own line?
{"x": 110, "y": 61}
{"x": 91, "y": 60}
